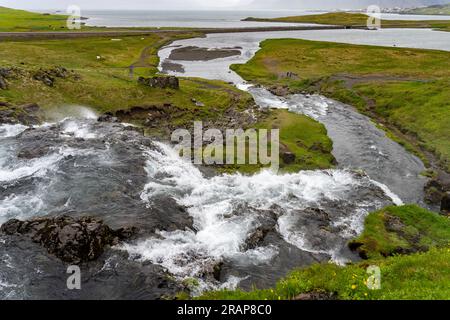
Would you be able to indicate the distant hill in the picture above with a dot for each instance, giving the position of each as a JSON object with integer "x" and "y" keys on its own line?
{"x": 342, "y": 4}
{"x": 431, "y": 10}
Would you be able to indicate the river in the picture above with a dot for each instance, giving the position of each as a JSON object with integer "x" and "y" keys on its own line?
{"x": 223, "y": 231}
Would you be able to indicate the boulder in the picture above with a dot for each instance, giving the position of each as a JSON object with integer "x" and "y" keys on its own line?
{"x": 48, "y": 76}
{"x": 280, "y": 91}
{"x": 10, "y": 72}
{"x": 30, "y": 107}
{"x": 291, "y": 75}
{"x": 3, "y": 84}
{"x": 197, "y": 103}
{"x": 316, "y": 295}
{"x": 71, "y": 240}
{"x": 288, "y": 157}
{"x": 33, "y": 152}
{"x": 445, "y": 203}
{"x": 44, "y": 77}
{"x": 7, "y": 116}
{"x": 27, "y": 114}
{"x": 107, "y": 117}
{"x": 162, "y": 82}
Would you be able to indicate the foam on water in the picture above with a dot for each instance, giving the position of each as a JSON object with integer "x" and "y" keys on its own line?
{"x": 395, "y": 198}
{"x": 78, "y": 130}
{"x": 34, "y": 167}
{"x": 313, "y": 105}
{"x": 86, "y": 113}
{"x": 11, "y": 130}
{"x": 20, "y": 206}
{"x": 226, "y": 208}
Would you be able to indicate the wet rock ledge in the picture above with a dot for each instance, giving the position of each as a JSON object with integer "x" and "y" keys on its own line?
{"x": 71, "y": 240}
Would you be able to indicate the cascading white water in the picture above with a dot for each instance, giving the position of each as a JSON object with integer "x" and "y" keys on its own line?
{"x": 226, "y": 210}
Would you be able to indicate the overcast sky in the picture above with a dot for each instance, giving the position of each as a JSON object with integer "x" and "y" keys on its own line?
{"x": 207, "y": 4}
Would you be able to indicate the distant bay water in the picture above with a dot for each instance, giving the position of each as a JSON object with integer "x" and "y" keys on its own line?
{"x": 185, "y": 19}
{"x": 207, "y": 19}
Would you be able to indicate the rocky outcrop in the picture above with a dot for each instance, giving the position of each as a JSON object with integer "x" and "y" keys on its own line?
{"x": 316, "y": 295}
{"x": 49, "y": 76}
{"x": 280, "y": 91}
{"x": 72, "y": 240}
{"x": 113, "y": 276}
{"x": 162, "y": 82}
{"x": 266, "y": 223}
{"x": 445, "y": 203}
{"x": 169, "y": 117}
{"x": 7, "y": 116}
{"x": 437, "y": 190}
{"x": 8, "y": 73}
{"x": 288, "y": 157}
{"x": 46, "y": 76}
{"x": 3, "y": 83}
{"x": 27, "y": 114}
{"x": 107, "y": 117}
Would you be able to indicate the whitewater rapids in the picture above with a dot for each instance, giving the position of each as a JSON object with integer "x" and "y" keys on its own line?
{"x": 81, "y": 166}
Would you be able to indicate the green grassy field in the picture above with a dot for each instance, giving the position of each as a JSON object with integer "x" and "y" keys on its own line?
{"x": 357, "y": 19}
{"x": 417, "y": 276}
{"x": 105, "y": 83}
{"x": 13, "y": 20}
{"x": 405, "y": 89}
{"x": 20, "y": 20}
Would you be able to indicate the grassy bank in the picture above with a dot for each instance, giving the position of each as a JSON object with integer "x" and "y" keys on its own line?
{"x": 404, "y": 89}
{"x": 103, "y": 66}
{"x": 357, "y": 20}
{"x": 421, "y": 276}
{"x": 13, "y": 20}
{"x": 301, "y": 136}
{"x": 418, "y": 276}
{"x": 396, "y": 230}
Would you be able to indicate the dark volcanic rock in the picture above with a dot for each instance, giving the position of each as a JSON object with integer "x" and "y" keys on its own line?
{"x": 33, "y": 152}
{"x": 3, "y": 84}
{"x": 48, "y": 76}
{"x": 112, "y": 276}
{"x": 288, "y": 157}
{"x": 72, "y": 240}
{"x": 316, "y": 295}
{"x": 445, "y": 203}
{"x": 7, "y": 116}
{"x": 10, "y": 72}
{"x": 434, "y": 191}
{"x": 162, "y": 82}
{"x": 107, "y": 117}
{"x": 27, "y": 114}
{"x": 280, "y": 91}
